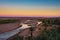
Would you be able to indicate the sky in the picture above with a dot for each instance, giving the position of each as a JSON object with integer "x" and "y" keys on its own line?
{"x": 29, "y": 8}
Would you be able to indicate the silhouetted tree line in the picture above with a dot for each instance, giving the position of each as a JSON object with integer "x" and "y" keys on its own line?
{"x": 8, "y": 21}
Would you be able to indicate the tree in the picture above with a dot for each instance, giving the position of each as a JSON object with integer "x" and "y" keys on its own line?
{"x": 31, "y": 30}
{"x": 52, "y": 34}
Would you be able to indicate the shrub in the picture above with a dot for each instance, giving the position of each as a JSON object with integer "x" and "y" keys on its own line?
{"x": 52, "y": 34}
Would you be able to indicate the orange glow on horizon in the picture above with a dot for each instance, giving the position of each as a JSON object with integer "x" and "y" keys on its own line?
{"x": 29, "y": 12}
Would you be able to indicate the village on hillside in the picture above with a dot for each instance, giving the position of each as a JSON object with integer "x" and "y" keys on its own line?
{"x": 29, "y": 28}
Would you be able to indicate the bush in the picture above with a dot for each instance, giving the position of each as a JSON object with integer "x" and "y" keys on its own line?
{"x": 52, "y": 34}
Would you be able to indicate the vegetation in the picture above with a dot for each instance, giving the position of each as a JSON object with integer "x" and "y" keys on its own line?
{"x": 18, "y": 38}
{"x": 52, "y": 34}
{"x": 31, "y": 30}
{"x": 8, "y": 21}
{"x": 50, "y": 21}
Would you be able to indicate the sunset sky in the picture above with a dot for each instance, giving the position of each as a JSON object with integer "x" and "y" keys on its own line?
{"x": 29, "y": 8}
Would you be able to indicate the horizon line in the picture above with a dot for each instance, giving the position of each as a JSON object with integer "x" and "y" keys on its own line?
{"x": 32, "y": 16}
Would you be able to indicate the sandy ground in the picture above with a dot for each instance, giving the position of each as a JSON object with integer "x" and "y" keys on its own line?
{"x": 8, "y": 27}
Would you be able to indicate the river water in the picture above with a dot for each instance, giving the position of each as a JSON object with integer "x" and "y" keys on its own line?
{"x": 9, "y": 34}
